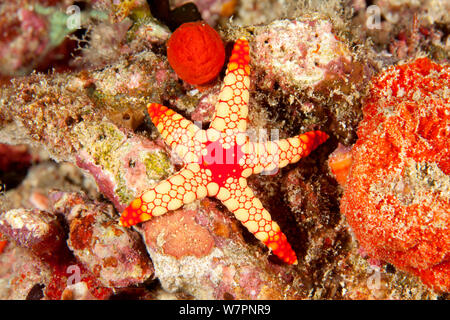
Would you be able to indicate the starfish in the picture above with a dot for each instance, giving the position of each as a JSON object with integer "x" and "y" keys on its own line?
{"x": 218, "y": 161}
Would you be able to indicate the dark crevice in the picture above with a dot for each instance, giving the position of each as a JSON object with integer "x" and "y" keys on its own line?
{"x": 36, "y": 292}
{"x": 187, "y": 12}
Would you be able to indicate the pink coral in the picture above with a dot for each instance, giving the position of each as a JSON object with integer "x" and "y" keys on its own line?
{"x": 179, "y": 235}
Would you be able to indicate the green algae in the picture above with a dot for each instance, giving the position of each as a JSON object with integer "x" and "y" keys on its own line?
{"x": 107, "y": 145}
{"x": 104, "y": 99}
{"x": 157, "y": 165}
{"x": 122, "y": 191}
{"x": 104, "y": 143}
{"x": 101, "y": 141}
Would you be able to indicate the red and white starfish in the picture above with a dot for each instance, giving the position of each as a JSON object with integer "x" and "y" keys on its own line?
{"x": 218, "y": 161}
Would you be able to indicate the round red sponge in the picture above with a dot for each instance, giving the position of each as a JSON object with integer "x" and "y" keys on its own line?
{"x": 196, "y": 52}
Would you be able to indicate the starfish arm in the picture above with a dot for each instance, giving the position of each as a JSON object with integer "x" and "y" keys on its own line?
{"x": 248, "y": 209}
{"x": 180, "y": 134}
{"x": 270, "y": 155}
{"x": 230, "y": 116}
{"x": 184, "y": 187}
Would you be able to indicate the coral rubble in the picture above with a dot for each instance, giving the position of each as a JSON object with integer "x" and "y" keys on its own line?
{"x": 114, "y": 254}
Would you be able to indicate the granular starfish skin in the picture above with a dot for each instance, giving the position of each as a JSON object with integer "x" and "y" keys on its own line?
{"x": 218, "y": 160}
{"x": 397, "y": 195}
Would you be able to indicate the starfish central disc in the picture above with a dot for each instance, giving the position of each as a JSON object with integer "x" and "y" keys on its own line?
{"x": 223, "y": 163}
{"x": 219, "y": 160}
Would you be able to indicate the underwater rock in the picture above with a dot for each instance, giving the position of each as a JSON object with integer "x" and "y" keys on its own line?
{"x": 305, "y": 54}
{"x": 307, "y": 70}
{"x": 211, "y": 10}
{"x": 20, "y": 272}
{"x": 36, "y": 230}
{"x": 199, "y": 250}
{"x": 35, "y": 35}
{"x": 114, "y": 254}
